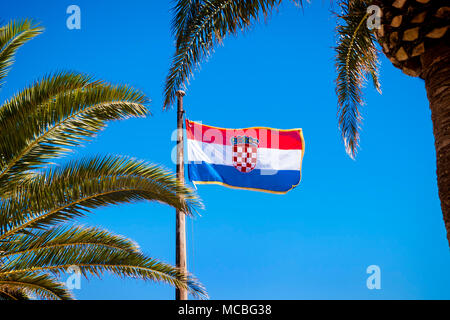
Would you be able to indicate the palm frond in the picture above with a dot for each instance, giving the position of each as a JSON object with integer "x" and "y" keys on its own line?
{"x": 8, "y": 293}
{"x": 73, "y": 190}
{"x": 94, "y": 261}
{"x": 12, "y": 36}
{"x": 63, "y": 237}
{"x": 184, "y": 11}
{"x": 64, "y": 121}
{"x": 201, "y": 28}
{"x": 43, "y": 286}
{"x": 27, "y": 101}
{"x": 356, "y": 57}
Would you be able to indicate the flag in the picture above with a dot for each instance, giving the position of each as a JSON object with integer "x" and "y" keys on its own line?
{"x": 257, "y": 158}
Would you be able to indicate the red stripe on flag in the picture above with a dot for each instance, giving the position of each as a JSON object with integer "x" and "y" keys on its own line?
{"x": 268, "y": 138}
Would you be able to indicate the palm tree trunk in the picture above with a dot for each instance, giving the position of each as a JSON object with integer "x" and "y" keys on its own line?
{"x": 436, "y": 73}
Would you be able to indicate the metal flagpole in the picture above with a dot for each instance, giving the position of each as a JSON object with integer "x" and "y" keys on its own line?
{"x": 180, "y": 294}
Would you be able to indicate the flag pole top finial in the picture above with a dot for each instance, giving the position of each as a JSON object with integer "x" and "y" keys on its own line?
{"x": 180, "y": 93}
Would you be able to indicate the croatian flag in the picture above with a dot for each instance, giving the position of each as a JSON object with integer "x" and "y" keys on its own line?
{"x": 258, "y": 158}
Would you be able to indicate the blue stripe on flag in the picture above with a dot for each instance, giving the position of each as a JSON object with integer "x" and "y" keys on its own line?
{"x": 280, "y": 181}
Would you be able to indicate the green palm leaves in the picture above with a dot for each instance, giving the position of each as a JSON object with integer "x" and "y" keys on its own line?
{"x": 12, "y": 36}
{"x": 356, "y": 57}
{"x": 38, "y": 200}
{"x": 73, "y": 110}
{"x": 199, "y": 25}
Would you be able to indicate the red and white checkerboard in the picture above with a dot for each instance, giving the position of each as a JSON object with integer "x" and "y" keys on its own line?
{"x": 245, "y": 157}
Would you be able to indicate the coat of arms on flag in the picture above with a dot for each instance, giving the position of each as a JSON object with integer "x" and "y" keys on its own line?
{"x": 257, "y": 158}
{"x": 245, "y": 151}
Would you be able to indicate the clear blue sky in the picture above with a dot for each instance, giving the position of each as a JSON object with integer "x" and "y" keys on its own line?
{"x": 313, "y": 243}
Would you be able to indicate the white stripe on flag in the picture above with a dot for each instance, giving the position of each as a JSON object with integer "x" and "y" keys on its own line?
{"x": 273, "y": 159}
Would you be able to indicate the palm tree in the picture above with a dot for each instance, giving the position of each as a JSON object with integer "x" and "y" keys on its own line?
{"x": 413, "y": 34}
{"x": 38, "y": 200}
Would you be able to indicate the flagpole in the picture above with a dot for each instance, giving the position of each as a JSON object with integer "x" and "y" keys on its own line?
{"x": 181, "y": 261}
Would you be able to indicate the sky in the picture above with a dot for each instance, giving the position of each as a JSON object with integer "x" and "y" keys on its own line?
{"x": 315, "y": 242}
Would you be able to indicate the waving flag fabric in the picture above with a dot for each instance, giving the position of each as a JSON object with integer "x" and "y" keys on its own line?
{"x": 258, "y": 158}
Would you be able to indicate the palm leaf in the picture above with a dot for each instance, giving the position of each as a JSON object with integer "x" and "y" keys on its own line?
{"x": 8, "y": 293}
{"x": 27, "y": 101}
{"x": 184, "y": 11}
{"x": 202, "y": 27}
{"x": 356, "y": 57}
{"x": 64, "y": 237}
{"x": 73, "y": 190}
{"x": 93, "y": 250}
{"x": 12, "y": 36}
{"x": 42, "y": 286}
{"x": 94, "y": 261}
{"x": 65, "y": 120}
